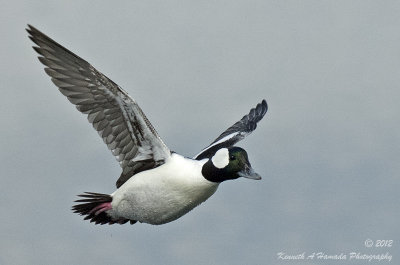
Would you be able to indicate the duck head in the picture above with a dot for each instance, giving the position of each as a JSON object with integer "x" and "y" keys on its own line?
{"x": 229, "y": 163}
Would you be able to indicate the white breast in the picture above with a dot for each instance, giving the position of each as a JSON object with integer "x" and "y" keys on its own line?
{"x": 163, "y": 194}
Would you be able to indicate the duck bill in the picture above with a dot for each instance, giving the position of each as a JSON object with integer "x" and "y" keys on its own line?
{"x": 249, "y": 173}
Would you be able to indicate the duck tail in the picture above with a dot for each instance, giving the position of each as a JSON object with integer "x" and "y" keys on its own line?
{"x": 94, "y": 207}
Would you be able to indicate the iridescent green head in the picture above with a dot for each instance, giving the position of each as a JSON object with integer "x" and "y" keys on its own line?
{"x": 229, "y": 163}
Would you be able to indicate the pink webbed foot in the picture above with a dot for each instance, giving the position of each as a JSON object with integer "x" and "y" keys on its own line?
{"x": 101, "y": 208}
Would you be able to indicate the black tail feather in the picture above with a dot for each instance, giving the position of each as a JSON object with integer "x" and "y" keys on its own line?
{"x": 87, "y": 206}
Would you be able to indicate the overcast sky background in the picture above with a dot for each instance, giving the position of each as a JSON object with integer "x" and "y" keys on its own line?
{"x": 328, "y": 148}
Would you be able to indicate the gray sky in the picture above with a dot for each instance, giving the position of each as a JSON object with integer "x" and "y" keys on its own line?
{"x": 328, "y": 148}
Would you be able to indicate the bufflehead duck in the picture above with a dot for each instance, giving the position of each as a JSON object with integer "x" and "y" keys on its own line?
{"x": 156, "y": 186}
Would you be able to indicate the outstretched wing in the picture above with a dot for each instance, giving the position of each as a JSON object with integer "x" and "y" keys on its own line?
{"x": 113, "y": 113}
{"x": 236, "y": 132}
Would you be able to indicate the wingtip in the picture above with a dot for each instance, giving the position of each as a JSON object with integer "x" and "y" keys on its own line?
{"x": 33, "y": 33}
{"x": 30, "y": 29}
{"x": 260, "y": 110}
{"x": 264, "y": 104}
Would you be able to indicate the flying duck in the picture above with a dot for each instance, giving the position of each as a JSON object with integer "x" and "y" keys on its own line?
{"x": 156, "y": 185}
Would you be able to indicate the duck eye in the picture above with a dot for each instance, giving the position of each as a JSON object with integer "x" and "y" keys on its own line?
{"x": 232, "y": 157}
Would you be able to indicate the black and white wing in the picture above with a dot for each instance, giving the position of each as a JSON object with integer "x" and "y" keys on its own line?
{"x": 236, "y": 132}
{"x": 113, "y": 113}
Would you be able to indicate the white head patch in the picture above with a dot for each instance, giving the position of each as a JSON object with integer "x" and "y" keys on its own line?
{"x": 221, "y": 158}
